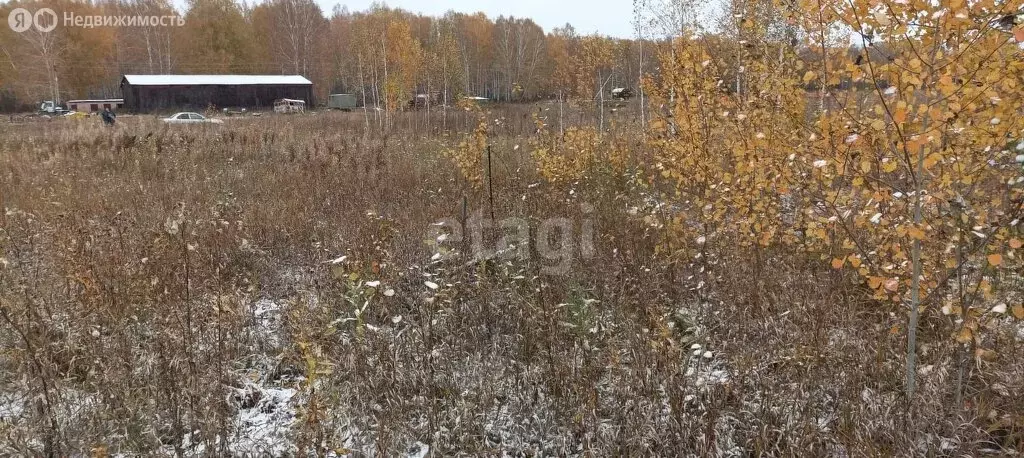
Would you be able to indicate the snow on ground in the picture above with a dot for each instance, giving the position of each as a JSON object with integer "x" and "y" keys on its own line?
{"x": 418, "y": 450}
{"x": 267, "y": 405}
{"x": 263, "y": 421}
{"x": 10, "y": 407}
{"x": 266, "y": 409}
{"x": 268, "y": 316}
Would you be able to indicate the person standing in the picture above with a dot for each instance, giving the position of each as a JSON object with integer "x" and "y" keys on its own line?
{"x": 109, "y": 118}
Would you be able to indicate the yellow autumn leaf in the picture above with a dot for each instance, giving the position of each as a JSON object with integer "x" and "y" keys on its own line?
{"x": 916, "y": 233}
{"x": 809, "y": 76}
{"x": 875, "y": 282}
{"x": 945, "y": 81}
{"x": 1018, "y": 311}
{"x": 900, "y": 115}
{"x": 965, "y": 335}
{"x": 854, "y": 260}
{"x": 995, "y": 259}
{"x": 914, "y": 144}
{"x": 878, "y": 124}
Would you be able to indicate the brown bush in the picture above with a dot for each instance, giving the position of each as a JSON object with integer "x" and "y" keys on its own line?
{"x": 161, "y": 287}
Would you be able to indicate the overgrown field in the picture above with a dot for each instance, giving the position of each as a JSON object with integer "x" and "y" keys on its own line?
{"x": 281, "y": 286}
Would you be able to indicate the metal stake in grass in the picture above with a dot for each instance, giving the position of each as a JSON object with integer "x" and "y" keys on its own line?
{"x": 490, "y": 189}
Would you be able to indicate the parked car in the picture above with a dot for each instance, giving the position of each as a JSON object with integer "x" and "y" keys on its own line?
{"x": 190, "y": 118}
{"x": 52, "y": 108}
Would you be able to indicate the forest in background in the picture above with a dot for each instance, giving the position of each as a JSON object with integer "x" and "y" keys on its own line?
{"x": 382, "y": 54}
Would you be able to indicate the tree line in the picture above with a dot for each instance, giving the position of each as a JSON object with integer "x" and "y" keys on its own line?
{"x": 383, "y": 55}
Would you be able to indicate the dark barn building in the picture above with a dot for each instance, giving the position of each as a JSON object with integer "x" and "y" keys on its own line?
{"x": 145, "y": 93}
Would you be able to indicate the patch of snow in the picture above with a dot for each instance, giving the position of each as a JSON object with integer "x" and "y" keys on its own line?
{"x": 337, "y": 260}
{"x": 418, "y": 450}
{"x": 10, "y": 407}
{"x": 263, "y": 422}
{"x": 268, "y": 316}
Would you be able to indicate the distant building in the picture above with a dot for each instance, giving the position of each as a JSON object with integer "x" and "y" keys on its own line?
{"x": 144, "y": 93}
{"x": 344, "y": 102}
{"x": 425, "y": 100}
{"x": 289, "y": 106}
{"x": 94, "y": 105}
{"x": 622, "y": 93}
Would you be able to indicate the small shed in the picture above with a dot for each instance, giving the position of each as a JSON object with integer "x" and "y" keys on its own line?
{"x": 145, "y": 93}
{"x": 622, "y": 93}
{"x": 343, "y": 102}
{"x": 93, "y": 105}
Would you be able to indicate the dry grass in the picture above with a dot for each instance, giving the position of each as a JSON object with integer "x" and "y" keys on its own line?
{"x": 160, "y": 286}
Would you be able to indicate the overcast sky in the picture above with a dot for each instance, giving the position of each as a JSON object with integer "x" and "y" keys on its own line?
{"x": 607, "y": 17}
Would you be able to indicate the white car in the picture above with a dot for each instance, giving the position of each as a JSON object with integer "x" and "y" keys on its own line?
{"x": 188, "y": 117}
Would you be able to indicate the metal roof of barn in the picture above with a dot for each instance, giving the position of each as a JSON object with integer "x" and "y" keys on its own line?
{"x": 215, "y": 80}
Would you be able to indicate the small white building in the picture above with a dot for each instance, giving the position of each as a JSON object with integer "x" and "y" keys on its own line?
{"x": 94, "y": 105}
{"x": 622, "y": 93}
{"x": 289, "y": 106}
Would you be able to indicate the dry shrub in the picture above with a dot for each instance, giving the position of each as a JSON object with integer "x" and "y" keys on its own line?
{"x": 161, "y": 287}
